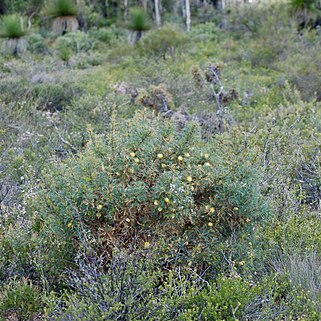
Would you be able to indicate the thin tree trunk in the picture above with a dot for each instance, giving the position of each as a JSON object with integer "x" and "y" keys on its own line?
{"x": 144, "y": 4}
{"x": 3, "y": 8}
{"x": 188, "y": 15}
{"x": 125, "y": 9}
{"x": 220, "y": 4}
{"x": 106, "y": 9}
{"x": 223, "y": 11}
{"x": 183, "y": 9}
{"x": 157, "y": 14}
{"x": 176, "y": 7}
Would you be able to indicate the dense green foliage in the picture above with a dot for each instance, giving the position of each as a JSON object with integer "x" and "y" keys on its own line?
{"x": 177, "y": 178}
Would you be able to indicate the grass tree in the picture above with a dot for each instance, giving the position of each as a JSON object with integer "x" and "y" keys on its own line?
{"x": 138, "y": 22}
{"x": 304, "y": 10}
{"x": 12, "y": 30}
{"x": 64, "y": 13}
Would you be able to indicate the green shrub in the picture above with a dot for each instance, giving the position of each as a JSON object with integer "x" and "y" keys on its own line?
{"x": 108, "y": 35}
{"x": 137, "y": 289}
{"x": 163, "y": 42}
{"x": 54, "y": 96}
{"x": 21, "y": 298}
{"x": 205, "y": 32}
{"x": 234, "y": 298}
{"x": 304, "y": 74}
{"x": 64, "y": 54}
{"x": 303, "y": 271}
{"x": 299, "y": 234}
{"x": 35, "y": 43}
{"x": 132, "y": 287}
{"x": 227, "y": 300}
{"x": 75, "y": 42}
{"x": 11, "y": 27}
{"x": 15, "y": 251}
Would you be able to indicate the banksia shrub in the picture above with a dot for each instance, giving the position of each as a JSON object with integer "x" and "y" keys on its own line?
{"x": 146, "y": 184}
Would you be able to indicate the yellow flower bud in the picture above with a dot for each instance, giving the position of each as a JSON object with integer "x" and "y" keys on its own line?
{"x": 206, "y": 156}
{"x": 210, "y": 224}
{"x": 212, "y": 210}
{"x": 159, "y": 209}
{"x": 187, "y": 155}
{"x": 167, "y": 200}
{"x": 180, "y": 158}
{"x": 160, "y": 156}
{"x": 127, "y": 220}
{"x": 132, "y": 154}
{"x": 156, "y": 203}
{"x": 70, "y": 225}
{"x": 99, "y": 207}
{"x": 136, "y": 160}
{"x": 189, "y": 178}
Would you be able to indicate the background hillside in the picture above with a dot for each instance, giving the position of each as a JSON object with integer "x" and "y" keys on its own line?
{"x": 160, "y": 160}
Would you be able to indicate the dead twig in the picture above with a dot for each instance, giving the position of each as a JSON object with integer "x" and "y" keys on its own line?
{"x": 73, "y": 148}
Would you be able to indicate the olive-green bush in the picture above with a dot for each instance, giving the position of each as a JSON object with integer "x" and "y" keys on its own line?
{"x": 19, "y": 298}
{"x": 164, "y": 42}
